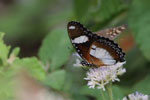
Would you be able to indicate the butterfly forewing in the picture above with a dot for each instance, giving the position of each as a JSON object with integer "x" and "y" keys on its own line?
{"x": 76, "y": 30}
{"x": 80, "y": 38}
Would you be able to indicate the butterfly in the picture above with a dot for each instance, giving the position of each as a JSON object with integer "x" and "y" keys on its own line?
{"x": 96, "y": 49}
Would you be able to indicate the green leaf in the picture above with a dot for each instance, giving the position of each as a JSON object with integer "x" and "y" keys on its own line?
{"x": 136, "y": 63}
{"x": 81, "y": 8}
{"x": 7, "y": 86}
{"x": 143, "y": 85}
{"x": 15, "y": 51}
{"x": 79, "y": 97}
{"x": 4, "y": 50}
{"x": 54, "y": 49}
{"x": 107, "y": 9}
{"x": 92, "y": 92}
{"x": 17, "y": 20}
{"x": 60, "y": 17}
{"x": 32, "y": 65}
{"x": 56, "y": 79}
{"x": 117, "y": 92}
{"x": 139, "y": 18}
{"x": 139, "y": 62}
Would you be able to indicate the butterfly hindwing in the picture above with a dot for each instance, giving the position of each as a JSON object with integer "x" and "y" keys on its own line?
{"x": 111, "y": 33}
{"x": 106, "y": 51}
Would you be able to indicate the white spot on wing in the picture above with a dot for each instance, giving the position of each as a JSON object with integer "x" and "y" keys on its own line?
{"x": 102, "y": 54}
{"x": 108, "y": 61}
{"x": 92, "y": 52}
{"x": 93, "y": 46}
{"x": 72, "y": 27}
{"x": 81, "y": 39}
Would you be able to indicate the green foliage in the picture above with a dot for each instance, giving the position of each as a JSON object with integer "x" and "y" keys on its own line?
{"x": 117, "y": 92}
{"x": 143, "y": 85}
{"x": 91, "y": 92}
{"x": 4, "y": 50}
{"x": 60, "y": 17}
{"x": 32, "y": 65}
{"x": 54, "y": 49}
{"x": 134, "y": 67}
{"x": 6, "y": 91}
{"x": 139, "y": 17}
{"x": 56, "y": 79}
{"x": 11, "y": 65}
{"x": 108, "y": 9}
{"x": 81, "y": 13}
{"x": 15, "y": 51}
{"x": 6, "y": 85}
{"x": 99, "y": 11}
{"x": 20, "y": 21}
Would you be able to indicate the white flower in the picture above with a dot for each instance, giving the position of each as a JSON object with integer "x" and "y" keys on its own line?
{"x": 99, "y": 77}
{"x": 136, "y": 96}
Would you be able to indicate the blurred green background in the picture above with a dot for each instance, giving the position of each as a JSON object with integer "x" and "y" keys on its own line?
{"x": 38, "y": 28}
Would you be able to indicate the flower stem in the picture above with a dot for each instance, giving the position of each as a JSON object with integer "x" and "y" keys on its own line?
{"x": 109, "y": 90}
{"x": 102, "y": 94}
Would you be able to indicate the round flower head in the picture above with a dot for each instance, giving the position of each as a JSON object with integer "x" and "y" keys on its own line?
{"x": 99, "y": 77}
{"x": 136, "y": 96}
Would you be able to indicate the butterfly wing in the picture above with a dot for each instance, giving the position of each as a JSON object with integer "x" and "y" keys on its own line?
{"x": 111, "y": 33}
{"x": 94, "y": 49}
{"x": 80, "y": 38}
{"x": 105, "y": 51}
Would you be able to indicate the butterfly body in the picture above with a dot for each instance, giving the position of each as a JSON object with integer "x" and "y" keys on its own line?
{"x": 95, "y": 50}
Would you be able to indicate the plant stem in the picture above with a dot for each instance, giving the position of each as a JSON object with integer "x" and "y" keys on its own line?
{"x": 102, "y": 94}
{"x": 109, "y": 91}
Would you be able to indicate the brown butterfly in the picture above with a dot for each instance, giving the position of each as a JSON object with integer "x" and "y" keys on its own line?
{"x": 96, "y": 49}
